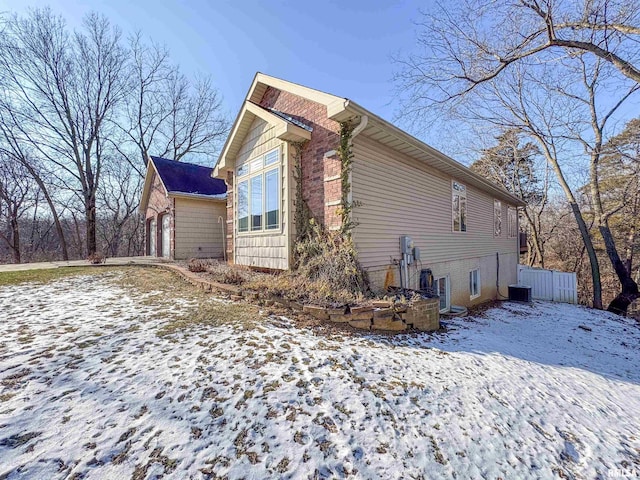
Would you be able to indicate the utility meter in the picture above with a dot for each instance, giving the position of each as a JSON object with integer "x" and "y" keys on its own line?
{"x": 406, "y": 245}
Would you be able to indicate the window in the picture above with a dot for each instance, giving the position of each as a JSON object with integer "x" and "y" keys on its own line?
{"x": 442, "y": 290}
{"x": 271, "y": 199}
{"x": 258, "y": 200}
{"x": 497, "y": 218}
{"x": 243, "y": 206}
{"x": 512, "y": 219}
{"x": 459, "y": 207}
{"x": 474, "y": 283}
{"x": 256, "y": 203}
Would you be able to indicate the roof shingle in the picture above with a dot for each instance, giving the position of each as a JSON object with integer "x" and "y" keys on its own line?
{"x": 181, "y": 177}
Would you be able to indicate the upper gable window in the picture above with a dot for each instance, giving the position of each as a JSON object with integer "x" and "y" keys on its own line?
{"x": 459, "y": 206}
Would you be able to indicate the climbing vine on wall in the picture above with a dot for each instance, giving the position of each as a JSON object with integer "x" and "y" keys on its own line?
{"x": 328, "y": 260}
{"x": 302, "y": 214}
{"x": 345, "y": 154}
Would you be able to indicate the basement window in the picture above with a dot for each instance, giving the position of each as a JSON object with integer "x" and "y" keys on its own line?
{"x": 474, "y": 283}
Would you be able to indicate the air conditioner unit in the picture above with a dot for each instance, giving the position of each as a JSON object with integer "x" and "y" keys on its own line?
{"x": 520, "y": 293}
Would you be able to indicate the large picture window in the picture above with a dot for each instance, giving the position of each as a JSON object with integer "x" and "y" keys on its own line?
{"x": 258, "y": 200}
{"x": 459, "y": 207}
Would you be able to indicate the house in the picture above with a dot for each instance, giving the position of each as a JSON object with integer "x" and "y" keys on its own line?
{"x": 185, "y": 210}
{"x": 449, "y": 221}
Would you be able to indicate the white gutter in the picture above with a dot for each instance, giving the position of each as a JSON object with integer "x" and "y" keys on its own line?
{"x": 199, "y": 196}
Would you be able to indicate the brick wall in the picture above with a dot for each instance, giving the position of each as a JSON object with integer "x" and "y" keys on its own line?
{"x": 320, "y": 173}
{"x": 158, "y": 204}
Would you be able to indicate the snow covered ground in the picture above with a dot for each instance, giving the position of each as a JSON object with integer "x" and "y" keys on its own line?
{"x": 88, "y": 389}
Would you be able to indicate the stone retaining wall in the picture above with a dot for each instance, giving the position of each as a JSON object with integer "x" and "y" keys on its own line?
{"x": 423, "y": 314}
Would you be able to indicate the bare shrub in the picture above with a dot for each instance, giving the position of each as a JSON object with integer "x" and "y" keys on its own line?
{"x": 232, "y": 274}
{"x": 96, "y": 258}
{"x": 199, "y": 264}
{"x": 330, "y": 260}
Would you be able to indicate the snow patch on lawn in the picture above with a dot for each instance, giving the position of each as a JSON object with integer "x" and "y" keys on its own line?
{"x": 89, "y": 390}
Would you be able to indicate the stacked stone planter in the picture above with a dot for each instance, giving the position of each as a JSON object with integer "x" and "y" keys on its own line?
{"x": 423, "y": 315}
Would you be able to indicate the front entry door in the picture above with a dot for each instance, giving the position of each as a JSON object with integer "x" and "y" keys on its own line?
{"x": 153, "y": 233}
{"x": 166, "y": 245}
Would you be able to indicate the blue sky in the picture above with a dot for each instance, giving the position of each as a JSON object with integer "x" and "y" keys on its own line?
{"x": 343, "y": 47}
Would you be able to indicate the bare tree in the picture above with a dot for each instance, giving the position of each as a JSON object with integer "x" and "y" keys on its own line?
{"x": 514, "y": 165}
{"x": 63, "y": 90}
{"x": 79, "y": 108}
{"x": 594, "y": 146}
{"x": 18, "y": 194}
{"x": 167, "y": 114}
{"x": 548, "y": 93}
{"x": 466, "y": 43}
{"x": 118, "y": 223}
{"x": 11, "y": 147}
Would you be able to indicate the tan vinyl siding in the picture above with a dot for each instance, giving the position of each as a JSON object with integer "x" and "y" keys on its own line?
{"x": 197, "y": 231}
{"x": 264, "y": 249}
{"x": 397, "y": 195}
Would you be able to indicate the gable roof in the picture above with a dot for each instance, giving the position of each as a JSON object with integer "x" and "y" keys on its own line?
{"x": 342, "y": 109}
{"x": 182, "y": 179}
{"x": 287, "y": 128}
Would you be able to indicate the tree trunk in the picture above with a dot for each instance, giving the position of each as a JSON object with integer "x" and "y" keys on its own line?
{"x": 629, "y": 288}
{"x": 582, "y": 226}
{"x": 52, "y": 207}
{"x": 15, "y": 231}
{"x": 90, "y": 217}
{"x": 591, "y": 253}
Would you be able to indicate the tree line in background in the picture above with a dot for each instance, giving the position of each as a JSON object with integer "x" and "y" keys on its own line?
{"x": 80, "y": 112}
{"x": 557, "y": 81}
{"x": 553, "y": 81}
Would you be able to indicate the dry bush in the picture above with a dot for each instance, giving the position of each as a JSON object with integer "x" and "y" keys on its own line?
{"x": 96, "y": 258}
{"x": 199, "y": 264}
{"x": 331, "y": 260}
{"x": 231, "y": 274}
{"x": 327, "y": 273}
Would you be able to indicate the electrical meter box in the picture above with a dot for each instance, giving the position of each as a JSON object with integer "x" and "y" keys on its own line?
{"x": 406, "y": 245}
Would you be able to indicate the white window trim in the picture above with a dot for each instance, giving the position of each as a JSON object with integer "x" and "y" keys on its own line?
{"x": 460, "y": 195}
{"x": 247, "y": 177}
{"x": 471, "y": 295}
{"x": 497, "y": 215}
{"x": 448, "y": 287}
